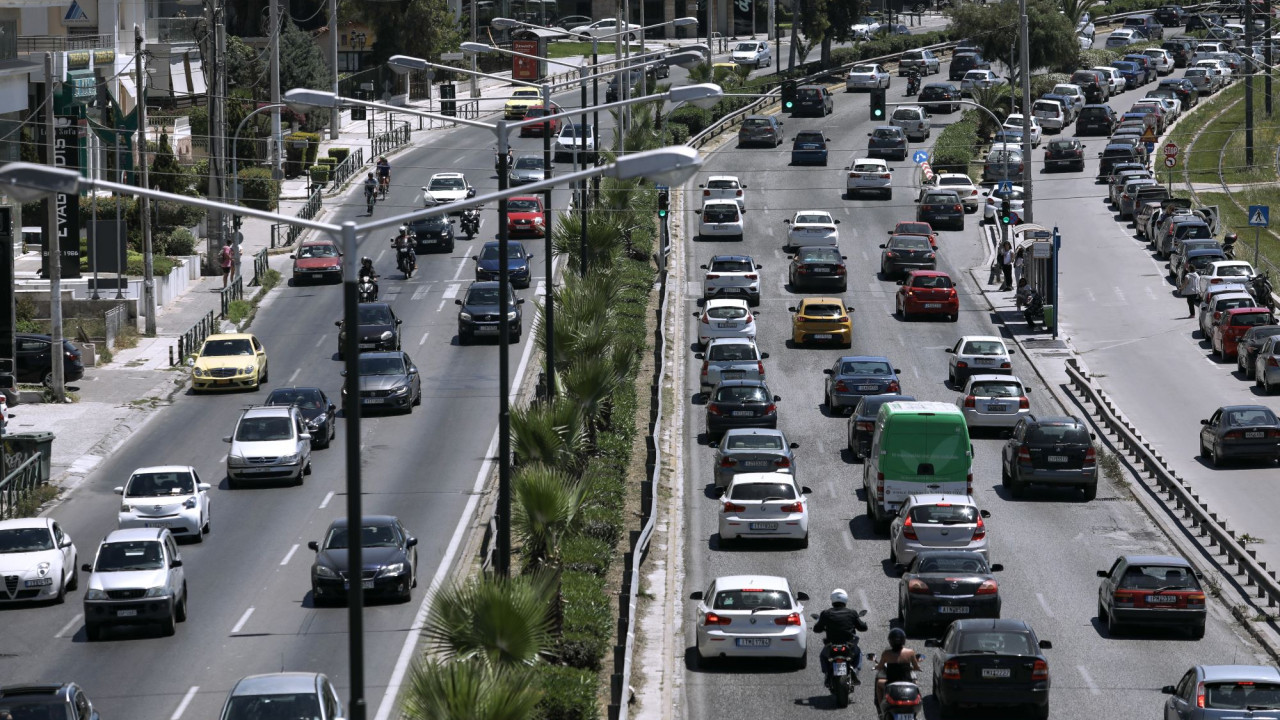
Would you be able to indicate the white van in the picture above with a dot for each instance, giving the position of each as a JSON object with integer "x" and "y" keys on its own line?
{"x": 1050, "y": 114}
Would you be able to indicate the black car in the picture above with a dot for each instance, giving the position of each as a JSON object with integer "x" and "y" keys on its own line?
{"x": 862, "y": 422}
{"x": 1250, "y": 432}
{"x": 941, "y": 208}
{"x": 1053, "y": 450}
{"x": 813, "y": 100}
{"x": 1064, "y": 153}
{"x": 387, "y": 553}
{"x": 479, "y": 313}
{"x": 633, "y": 77}
{"x": 906, "y": 252}
{"x": 1247, "y": 347}
{"x": 46, "y": 700}
{"x": 888, "y": 142}
{"x": 321, "y": 414}
{"x": 1117, "y": 152}
{"x": 34, "y": 364}
{"x": 517, "y": 263}
{"x": 1180, "y": 48}
{"x": 388, "y": 381}
{"x": 942, "y": 585}
{"x": 433, "y": 233}
{"x": 1204, "y": 21}
{"x": 379, "y": 328}
{"x": 937, "y": 97}
{"x": 1187, "y": 92}
{"x": 963, "y": 62}
{"x": 1152, "y": 591}
{"x": 1170, "y": 15}
{"x": 741, "y": 404}
{"x": 1096, "y": 120}
{"x": 991, "y": 662}
{"x": 818, "y": 266}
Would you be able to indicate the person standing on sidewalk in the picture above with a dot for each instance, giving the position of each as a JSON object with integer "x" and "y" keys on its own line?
{"x": 1018, "y": 263}
{"x": 227, "y": 259}
{"x": 1006, "y": 266}
{"x": 1191, "y": 290}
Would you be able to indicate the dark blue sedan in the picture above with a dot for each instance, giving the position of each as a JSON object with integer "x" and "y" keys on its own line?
{"x": 853, "y": 376}
{"x": 809, "y": 148}
{"x": 517, "y": 263}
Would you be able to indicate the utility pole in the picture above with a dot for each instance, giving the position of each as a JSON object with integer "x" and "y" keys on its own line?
{"x": 53, "y": 245}
{"x": 335, "y": 115}
{"x": 1248, "y": 85}
{"x": 215, "y": 42}
{"x": 144, "y": 181}
{"x": 277, "y": 152}
{"x": 1025, "y": 65}
{"x": 1267, "y": 55}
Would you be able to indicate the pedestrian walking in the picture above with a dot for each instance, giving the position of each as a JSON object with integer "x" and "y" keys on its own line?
{"x": 1018, "y": 263}
{"x": 227, "y": 259}
{"x": 1191, "y": 290}
{"x": 1006, "y": 266}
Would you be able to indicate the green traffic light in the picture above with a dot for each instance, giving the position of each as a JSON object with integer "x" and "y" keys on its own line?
{"x": 788, "y": 104}
{"x": 662, "y": 213}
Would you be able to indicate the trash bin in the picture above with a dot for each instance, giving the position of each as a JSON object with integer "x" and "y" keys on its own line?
{"x": 24, "y": 443}
{"x": 1050, "y": 320}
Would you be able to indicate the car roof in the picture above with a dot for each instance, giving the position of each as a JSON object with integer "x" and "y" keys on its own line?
{"x": 283, "y": 683}
{"x": 741, "y": 258}
{"x": 742, "y": 582}
{"x": 270, "y": 410}
{"x": 1156, "y": 560}
{"x": 719, "y": 201}
{"x": 367, "y": 520}
{"x": 1054, "y": 420}
{"x": 928, "y": 273}
{"x": 723, "y": 177}
{"x": 943, "y": 498}
{"x": 725, "y": 302}
{"x": 1248, "y": 310}
{"x": 396, "y": 354}
{"x": 731, "y": 341}
{"x": 761, "y": 478}
{"x": 864, "y": 358}
{"x": 821, "y": 299}
{"x": 229, "y": 336}
{"x": 25, "y": 523}
{"x": 318, "y": 241}
{"x": 1255, "y": 673}
{"x": 950, "y": 175}
{"x": 164, "y": 468}
{"x": 49, "y": 689}
{"x": 872, "y": 161}
{"x": 1229, "y": 263}
{"x": 1002, "y": 624}
{"x": 447, "y": 175}
{"x": 812, "y": 212}
{"x": 134, "y": 535}
{"x": 752, "y": 431}
{"x": 970, "y": 338}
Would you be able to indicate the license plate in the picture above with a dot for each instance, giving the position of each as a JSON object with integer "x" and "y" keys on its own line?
{"x": 756, "y": 463}
{"x": 752, "y": 642}
{"x": 159, "y": 524}
{"x": 763, "y": 526}
{"x": 743, "y": 413}
{"x": 487, "y": 330}
{"x": 996, "y": 408}
{"x": 995, "y": 672}
{"x": 822, "y": 337}
{"x": 373, "y": 401}
{"x": 1255, "y": 434}
{"x": 822, "y": 270}
{"x": 904, "y": 716}
{"x": 221, "y": 382}
{"x": 983, "y": 361}
{"x": 839, "y": 669}
{"x": 932, "y": 306}
{"x": 126, "y": 613}
{"x": 364, "y": 585}
{"x": 866, "y": 388}
{"x": 1162, "y": 599}
{"x": 953, "y": 609}
{"x": 39, "y": 582}
{"x": 727, "y": 325}
{"x": 731, "y": 374}
{"x": 1057, "y": 458}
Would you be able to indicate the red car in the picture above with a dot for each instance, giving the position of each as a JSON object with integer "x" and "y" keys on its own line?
{"x": 916, "y": 227}
{"x": 317, "y": 260}
{"x": 550, "y": 127}
{"x": 1233, "y": 325}
{"x": 525, "y": 216}
{"x": 927, "y": 292}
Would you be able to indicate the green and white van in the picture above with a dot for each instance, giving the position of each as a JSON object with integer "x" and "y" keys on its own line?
{"x": 917, "y": 447}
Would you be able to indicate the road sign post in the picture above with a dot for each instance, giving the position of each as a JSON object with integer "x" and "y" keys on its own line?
{"x": 1259, "y": 217}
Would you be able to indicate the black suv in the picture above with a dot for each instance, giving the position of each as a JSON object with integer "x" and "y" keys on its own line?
{"x": 34, "y": 364}
{"x": 813, "y": 100}
{"x": 1180, "y": 48}
{"x": 1204, "y": 21}
{"x": 1096, "y": 120}
{"x": 1186, "y": 91}
{"x": 935, "y": 97}
{"x": 433, "y": 233}
{"x": 478, "y": 314}
{"x": 379, "y": 328}
{"x": 964, "y": 62}
{"x": 1170, "y": 15}
{"x": 1096, "y": 89}
{"x": 46, "y": 701}
{"x": 1053, "y": 450}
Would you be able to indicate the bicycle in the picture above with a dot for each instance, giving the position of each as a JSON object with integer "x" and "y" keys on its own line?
{"x": 369, "y": 198}
{"x": 384, "y": 184}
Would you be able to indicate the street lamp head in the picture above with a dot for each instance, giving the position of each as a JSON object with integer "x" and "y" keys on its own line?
{"x": 684, "y": 59}
{"x": 26, "y": 182}
{"x": 672, "y": 165}
{"x": 304, "y": 100}
{"x": 704, "y": 95}
{"x": 404, "y": 63}
{"x": 504, "y": 23}
{"x": 475, "y": 47}
{"x": 696, "y": 47}
{"x": 684, "y": 21}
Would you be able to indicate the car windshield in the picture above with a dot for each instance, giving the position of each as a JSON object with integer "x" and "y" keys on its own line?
{"x": 752, "y": 600}
{"x": 1234, "y": 271}
{"x": 522, "y": 205}
{"x": 1249, "y": 416}
{"x": 808, "y": 94}
{"x": 823, "y": 310}
{"x": 756, "y": 123}
{"x": 731, "y": 351}
{"x": 996, "y": 389}
{"x": 270, "y": 707}
{"x": 867, "y": 168}
{"x": 322, "y": 250}
{"x": 983, "y": 347}
{"x": 1062, "y": 145}
{"x": 938, "y": 199}
{"x": 528, "y": 162}
{"x": 373, "y": 315}
{"x": 810, "y": 137}
{"x": 1241, "y": 695}
{"x": 730, "y": 266}
{"x": 944, "y": 514}
{"x": 818, "y": 255}
{"x": 915, "y": 242}
{"x": 1197, "y": 231}
{"x": 931, "y": 281}
{"x": 576, "y": 130}
{"x": 812, "y": 219}
{"x": 863, "y": 69}
{"x": 122, "y": 556}
{"x": 886, "y": 133}
{"x": 302, "y": 398}
{"x": 447, "y": 184}
{"x": 951, "y": 562}
{"x": 265, "y": 429}
{"x": 370, "y": 536}
{"x": 155, "y": 484}
{"x": 906, "y": 114}
{"x": 1054, "y": 434}
{"x": 226, "y": 347}
{"x": 1004, "y": 156}
{"x": 1158, "y": 577}
{"x": 746, "y": 47}
{"x": 763, "y": 491}
{"x": 741, "y": 394}
{"x": 1259, "y": 334}
{"x": 722, "y": 184}
{"x": 370, "y": 365}
{"x": 726, "y": 312}
{"x": 720, "y": 213}
{"x": 753, "y": 442}
{"x": 996, "y": 643}
{"x": 24, "y": 540}
{"x": 865, "y": 367}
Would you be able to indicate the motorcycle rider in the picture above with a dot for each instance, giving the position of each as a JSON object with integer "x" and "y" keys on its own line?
{"x": 896, "y": 663}
{"x": 366, "y": 273}
{"x": 497, "y": 160}
{"x": 841, "y": 625}
{"x": 1229, "y": 245}
{"x": 913, "y": 81}
{"x": 403, "y": 243}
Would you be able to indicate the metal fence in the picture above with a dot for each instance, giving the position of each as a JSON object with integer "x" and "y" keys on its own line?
{"x": 114, "y": 319}
{"x": 285, "y": 234}
{"x": 260, "y": 267}
{"x": 229, "y": 294}
{"x": 385, "y": 142}
{"x": 191, "y": 339}
{"x": 19, "y": 483}
{"x": 351, "y": 165}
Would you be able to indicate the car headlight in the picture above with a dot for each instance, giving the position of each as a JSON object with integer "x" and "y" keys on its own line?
{"x": 290, "y": 459}
{"x": 325, "y": 571}
{"x": 190, "y": 504}
{"x": 235, "y": 461}
{"x": 157, "y": 592}
{"x": 537, "y": 221}
{"x": 197, "y": 372}
{"x": 42, "y": 569}
{"x": 248, "y": 369}
{"x": 464, "y": 316}
{"x": 402, "y": 390}
{"x": 124, "y": 508}
{"x": 92, "y": 594}
{"x": 511, "y": 316}
{"x": 392, "y": 569}
{"x": 316, "y": 423}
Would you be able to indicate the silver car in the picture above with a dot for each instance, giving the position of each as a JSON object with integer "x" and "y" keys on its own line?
{"x": 730, "y": 359}
{"x": 527, "y": 169}
{"x": 937, "y": 522}
{"x": 866, "y": 77}
{"x": 913, "y": 120}
{"x": 998, "y": 401}
{"x": 283, "y": 695}
{"x": 1213, "y": 692}
{"x": 1266, "y": 366}
{"x": 269, "y": 443}
{"x": 751, "y": 450}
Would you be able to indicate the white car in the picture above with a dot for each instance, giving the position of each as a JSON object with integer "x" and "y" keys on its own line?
{"x": 751, "y": 616}
{"x": 1218, "y": 67}
{"x": 576, "y": 143}
{"x": 764, "y": 505}
{"x": 136, "y": 579}
{"x": 1050, "y": 114}
{"x": 1114, "y": 79}
{"x": 730, "y": 359}
{"x": 755, "y": 53}
{"x": 734, "y": 276}
{"x": 1086, "y": 41}
{"x": 724, "y": 187}
{"x": 1172, "y": 106}
{"x": 1206, "y": 50}
{"x": 1014, "y": 122}
{"x": 812, "y": 227}
{"x": 914, "y": 121}
{"x": 169, "y": 496}
{"x": 964, "y": 186}
{"x": 720, "y": 218}
{"x": 992, "y": 203}
{"x": 37, "y": 560}
{"x": 723, "y": 318}
{"x": 979, "y": 80}
{"x": 607, "y": 29}
{"x": 270, "y": 442}
{"x": 937, "y": 522}
{"x": 869, "y": 175}
{"x": 998, "y": 401}
{"x": 977, "y": 354}
{"x": 445, "y": 188}
{"x": 866, "y": 77}
{"x": 1225, "y": 271}
{"x": 1123, "y": 37}
{"x": 1164, "y": 62}
{"x": 864, "y": 31}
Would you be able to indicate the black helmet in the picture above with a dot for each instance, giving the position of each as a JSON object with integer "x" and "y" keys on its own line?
{"x": 1230, "y": 238}
{"x": 897, "y": 638}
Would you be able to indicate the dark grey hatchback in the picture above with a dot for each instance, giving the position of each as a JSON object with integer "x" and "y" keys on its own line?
{"x": 888, "y": 142}
{"x": 1052, "y": 451}
{"x": 907, "y": 252}
{"x": 478, "y": 315}
{"x": 739, "y": 404}
{"x": 862, "y": 423}
{"x": 760, "y": 130}
{"x": 991, "y": 663}
{"x": 388, "y": 381}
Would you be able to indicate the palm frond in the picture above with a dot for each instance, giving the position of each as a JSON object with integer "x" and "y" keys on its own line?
{"x": 546, "y": 503}
{"x": 501, "y": 622}
{"x": 469, "y": 690}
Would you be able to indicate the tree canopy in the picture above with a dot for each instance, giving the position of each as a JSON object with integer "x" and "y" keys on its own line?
{"x": 994, "y": 29}
{"x": 302, "y": 63}
{"x": 420, "y": 28}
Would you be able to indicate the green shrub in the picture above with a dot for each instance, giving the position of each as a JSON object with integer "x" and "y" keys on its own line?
{"x": 1097, "y": 56}
{"x": 692, "y": 117}
{"x": 259, "y": 190}
{"x": 238, "y": 310}
{"x": 1042, "y": 84}
{"x": 320, "y": 174}
{"x": 308, "y": 155}
{"x": 957, "y": 145}
{"x": 582, "y": 553}
{"x": 181, "y": 242}
{"x": 160, "y": 265}
{"x": 677, "y": 133}
{"x": 588, "y": 621}
{"x": 567, "y": 693}
{"x": 339, "y": 153}
{"x": 329, "y": 162}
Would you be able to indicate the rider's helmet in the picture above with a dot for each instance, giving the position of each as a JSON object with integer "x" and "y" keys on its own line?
{"x": 366, "y": 262}
{"x": 404, "y": 229}
{"x": 897, "y": 638}
{"x": 839, "y": 596}
{"x": 370, "y": 175}
{"x": 1230, "y": 238}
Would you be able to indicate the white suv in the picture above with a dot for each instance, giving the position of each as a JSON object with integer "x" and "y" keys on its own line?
{"x": 136, "y": 579}
{"x": 914, "y": 121}
{"x": 732, "y": 276}
{"x": 720, "y": 218}
{"x": 730, "y": 359}
{"x": 869, "y": 175}
{"x": 269, "y": 443}
{"x": 167, "y": 496}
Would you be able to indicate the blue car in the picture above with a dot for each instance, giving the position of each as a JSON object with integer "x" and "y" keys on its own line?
{"x": 1133, "y": 74}
{"x": 1011, "y": 136}
{"x": 854, "y": 376}
{"x": 517, "y": 263}
{"x": 809, "y": 148}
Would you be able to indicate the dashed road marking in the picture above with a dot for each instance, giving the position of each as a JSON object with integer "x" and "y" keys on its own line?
{"x": 422, "y": 292}
{"x": 325, "y": 503}
{"x": 243, "y": 619}
{"x": 320, "y": 341}
{"x": 451, "y": 292}
{"x": 423, "y": 341}
{"x": 1044, "y": 604}
{"x": 186, "y": 700}
{"x": 294, "y": 376}
{"x": 74, "y": 622}
{"x": 1088, "y": 681}
{"x": 289, "y": 555}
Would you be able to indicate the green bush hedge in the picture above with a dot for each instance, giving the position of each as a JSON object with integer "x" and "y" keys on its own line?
{"x": 587, "y": 554}
{"x": 692, "y": 117}
{"x": 1097, "y": 56}
{"x": 567, "y": 693}
{"x": 160, "y": 265}
{"x": 320, "y": 174}
{"x": 180, "y": 242}
{"x": 308, "y": 156}
{"x": 339, "y": 153}
{"x": 260, "y": 191}
{"x": 329, "y": 162}
{"x": 588, "y": 621}
{"x": 957, "y": 145}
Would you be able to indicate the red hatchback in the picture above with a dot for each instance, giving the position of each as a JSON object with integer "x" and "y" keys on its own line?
{"x": 1234, "y": 324}
{"x": 317, "y": 260}
{"x": 525, "y": 216}
{"x": 927, "y": 292}
{"x": 916, "y": 227}
{"x": 550, "y": 127}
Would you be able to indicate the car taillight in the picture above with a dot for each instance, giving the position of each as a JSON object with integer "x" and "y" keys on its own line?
{"x": 794, "y": 507}
{"x": 968, "y": 484}
{"x": 865, "y": 426}
{"x": 739, "y": 193}
{"x": 918, "y": 587}
{"x": 714, "y": 409}
{"x": 894, "y": 387}
{"x": 970, "y": 401}
{"x": 1195, "y": 599}
{"x": 951, "y": 670}
{"x": 783, "y": 462}
{"x": 1040, "y": 671}
{"x": 957, "y": 207}
{"x": 1024, "y": 453}
{"x": 714, "y": 619}
{"x": 705, "y": 366}
{"x": 760, "y": 368}
{"x": 908, "y": 531}
{"x": 840, "y": 270}
{"x": 1199, "y": 695}
{"x": 962, "y": 364}
{"x": 706, "y": 193}
{"x": 889, "y": 254}
{"x": 1023, "y": 403}
{"x": 728, "y": 462}
{"x": 1234, "y": 435}
{"x": 770, "y": 408}
{"x": 1124, "y": 597}
{"x": 884, "y": 176}
{"x": 1090, "y": 456}
{"x": 1005, "y": 366}
{"x": 841, "y": 386}
{"x": 855, "y": 175}
{"x": 713, "y": 276}
{"x": 880, "y": 484}
{"x": 988, "y": 587}
{"x": 1272, "y": 362}
{"x": 792, "y": 619}
{"x": 734, "y": 507}
{"x": 706, "y": 320}
{"x": 752, "y": 276}
{"x": 980, "y": 531}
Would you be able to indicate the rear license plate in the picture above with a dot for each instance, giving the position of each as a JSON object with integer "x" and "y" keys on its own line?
{"x": 822, "y": 270}
{"x": 126, "y": 613}
{"x": 743, "y": 413}
{"x": 732, "y": 374}
{"x": 995, "y": 672}
{"x": 996, "y": 408}
{"x": 756, "y": 463}
{"x": 1162, "y": 599}
{"x": 839, "y": 669}
{"x": 904, "y": 716}
{"x": 752, "y": 642}
{"x": 983, "y": 361}
{"x": 822, "y": 337}
{"x": 932, "y": 306}
{"x": 866, "y": 388}
{"x": 953, "y": 609}
{"x": 159, "y": 524}
{"x": 1255, "y": 434}
{"x": 1057, "y": 458}
{"x": 763, "y": 526}
{"x": 726, "y": 325}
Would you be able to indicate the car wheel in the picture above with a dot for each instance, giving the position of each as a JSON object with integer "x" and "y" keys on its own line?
{"x": 92, "y": 632}
{"x": 265, "y": 375}
{"x": 180, "y": 612}
{"x": 199, "y": 536}
{"x": 1041, "y": 711}
{"x": 1216, "y": 458}
{"x": 888, "y": 194}
{"x": 232, "y": 484}
{"x": 167, "y": 626}
{"x": 464, "y": 338}
{"x": 804, "y": 542}
{"x": 1089, "y": 492}
{"x": 73, "y": 582}
{"x": 208, "y": 524}
{"x": 1197, "y": 631}
{"x": 61, "y": 597}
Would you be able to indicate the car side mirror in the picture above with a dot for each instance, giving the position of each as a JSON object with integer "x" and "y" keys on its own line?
{"x": 827, "y": 371}
{"x": 777, "y": 398}
{"x": 87, "y": 568}
{"x": 304, "y": 436}
{"x": 411, "y": 542}
{"x": 949, "y": 350}
{"x": 868, "y": 134}
{"x": 901, "y": 282}
{"x": 226, "y": 439}
{"x": 764, "y": 356}
{"x": 696, "y": 314}
{"x": 1169, "y": 690}
{"x": 899, "y": 568}
{"x": 700, "y": 356}
{"x": 203, "y": 486}
{"x": 337, "y": 323}
{"x": 849, "y": 308}
{"x": 713, "y": 444}
{"x": 802, "y": 597}
{"x": 883, "y": 246}
{"x": 476, "y": 258}
{"x": 790, "y": 309}
{"x": 292, "y": 256}
{"x": 399, "y": 321}
{"x": 176, "y": 563}
{"x": 332, "y": 407}
{"x": 519, "y": 301}
{"x": 985, "y": 513}
{"x": 1046, "y": 645}
{"x": 314, "y": 545}
{"x": 413, "y": 369}
{"x": 1204, "y": 421}
{"x": 696, "y": 595}
{"x": 827, "y": 139}
{"x": 1103, "y": 573}
{"x": 787, "y": 221}
{"x": 343, "y": 373}
{"x": 703, "y": 267}
{"x": 471, "y": 192}
{"x": 930, "y": 642}
{"x": 697, "y": 212}
{"x": 702, "y": 186}
{"x": 744, "y": 187}
{"x": 997, "y": 567}
{"x": 458, "y": 301}
{"x": 1026, "y": 390}
{"x": 118, "y": 490}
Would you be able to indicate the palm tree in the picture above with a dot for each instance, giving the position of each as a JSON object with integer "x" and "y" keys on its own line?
{"x": 1075, "y": 9}
{"x": 546, "y": 504}
{"x": 549, "y": 434}
{"x": 469, "y": 690}
{"x": 603, "y": 240}
{"x": 996, "y": 99}
{"x": 500, "y": 623}
{"x": 590, "y": 383}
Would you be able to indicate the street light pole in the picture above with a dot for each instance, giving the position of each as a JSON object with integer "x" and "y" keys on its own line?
{"x": 356, "y": 709}
{"x": 335, "y": 114}
{"x": 1024, "y": 56}
{"x": 235, "y": 165}
{"x": 144, "y": 180}
{"x": 504, "y": 363}
{"x": 548, "y": 299}
{"x": 277, "y": 152}
{"x": 53, "y": 247}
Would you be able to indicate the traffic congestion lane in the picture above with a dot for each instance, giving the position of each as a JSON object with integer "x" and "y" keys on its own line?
{"x": 1053, "y": 590}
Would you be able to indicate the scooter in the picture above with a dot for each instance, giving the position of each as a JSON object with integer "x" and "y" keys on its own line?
{"x": 901, "y": 701}
{"x": 368, "y": 289}
{"x": 1034, "y": 312}
{"x": 913, "y": 82}
{"x": 1260, "y": 288}
{"x": 471, "y": 222}
{"x": 1229, "y": 248}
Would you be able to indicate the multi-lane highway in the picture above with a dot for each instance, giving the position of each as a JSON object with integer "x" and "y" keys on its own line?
{"x": 1050, "y": 544}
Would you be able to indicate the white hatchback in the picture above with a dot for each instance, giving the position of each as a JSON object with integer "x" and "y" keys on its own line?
{"x": 937, "y": 522}
{"x": 168, "y": 496}
{"x": 977, "y": 354}
{"x": 869, "y": 175}
{"x": 720, "y": 218}
{"x": 764, "y": 505}
{"x": 734, "y": 276}
{"x": 998, "y": 401}
{"x": 37, "y": 560}
{"x": 730, "y": 359}
{"x": 445, "y": 188}
{"x": 751, "y": 616}
{"x": 810, "y": 228}
{"x": 724, "y": 187}
{"x": 969, "y": 194}
{"x": 1014, "y": 122}
{"x": 725, "y": 317}
{"x": 1225, "y": 271}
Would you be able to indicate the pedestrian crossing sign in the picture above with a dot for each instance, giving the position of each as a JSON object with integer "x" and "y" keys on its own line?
{"x": 1259, "y": 216}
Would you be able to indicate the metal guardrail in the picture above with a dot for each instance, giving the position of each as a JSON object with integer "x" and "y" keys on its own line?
{"x": 192, "y": 338}
{"x": 20, "y": 482}
{"x": 352, "y": 164}
{"x": 260, "y": 267}
{"x": 229, "y": 294}
{"x": 385, "y": 142}
{"x": 285, "y": 234}
{"x": 1184, "y": 498}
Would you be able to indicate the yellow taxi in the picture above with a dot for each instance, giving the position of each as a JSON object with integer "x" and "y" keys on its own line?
{"x": 519, "y": 102}
{"x": 229, "y": 361}
{"x": 822, "y": 319}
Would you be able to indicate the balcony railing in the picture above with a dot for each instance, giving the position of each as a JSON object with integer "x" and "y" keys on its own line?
{"x": 174, "y": 30}
{"x": 31, "y": 44}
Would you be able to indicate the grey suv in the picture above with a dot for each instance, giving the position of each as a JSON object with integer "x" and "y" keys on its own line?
{"x": 283, "y": 695}
{"x": 478, "y": 313}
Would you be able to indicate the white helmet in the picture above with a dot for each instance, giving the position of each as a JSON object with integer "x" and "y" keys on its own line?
{"x": 404, "y": 229}
{"x": 839, "y": 596}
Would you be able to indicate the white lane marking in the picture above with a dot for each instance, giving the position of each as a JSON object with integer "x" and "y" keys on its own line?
{"x": 442, "y": 570}
{"x": 441, "y": 306}
{"x": 1151, "y": 294}
{"x": 320, "y": 341}
{"x": 294, "y": 376}
{"x": 289, "y": 555}
{"x": 381, "y": 253}
{"x": 541, "y": 289}
{"x": 462, "y": 264}
{"x": 1088, "y": 681}
{"x": 74, "y": 621}
{"x": 1120, "y": 294}
{"x": 1044, "y": 604}
{"x": 223, "y": 460}
{"x": 422, "y": 292}
{"x": 243, "y": 619}
{"x": 848, "y": 541}
{"x": 423, "y": 341}
{"x": 186, "y": 700}
{"x": 451, "y": 292}
{"x": 1089, "y": 292}
{"x": 325, "y": 503}
{"x": 862, "y": 597}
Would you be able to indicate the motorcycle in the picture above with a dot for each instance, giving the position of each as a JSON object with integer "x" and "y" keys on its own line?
{"x": 1229, "y": 249}
{"x": 844, "y": 663}
{"x": 913, "y": 82}
{"x": 1260, "y": 288}
{"x": 497, "y": 162}
{"x": 1034, "y": 311}
{"x": 901, "y": 701}
{"x": 471, "y": 222}
{"x": 367, "y": 287}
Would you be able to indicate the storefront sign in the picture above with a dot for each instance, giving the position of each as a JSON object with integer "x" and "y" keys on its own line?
{"x": 67, "y": 140}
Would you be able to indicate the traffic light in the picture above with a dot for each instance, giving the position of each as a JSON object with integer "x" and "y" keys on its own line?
{"x": 877, "y": 104}
{"x": 1006, "y": 212}
{"x": 788, "y": 94}
{"x": 664, "y": 202}
{"x": 448, "y": 103}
